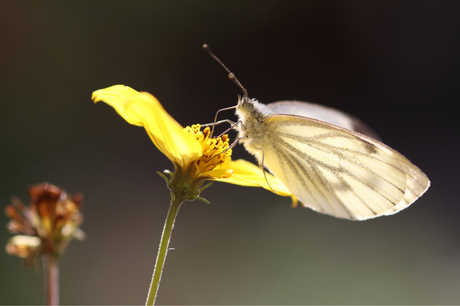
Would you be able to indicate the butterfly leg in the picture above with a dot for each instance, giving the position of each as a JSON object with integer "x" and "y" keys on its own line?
{"x": 215, "y": 117}
{"x": 218, "y": 122}
{"x": 261, "y": 165}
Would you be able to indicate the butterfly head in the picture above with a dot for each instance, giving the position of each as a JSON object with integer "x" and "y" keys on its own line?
{"x": 250, "y": 111}
{"x": 245, "y": 104}
{"x": 245, "y": 108}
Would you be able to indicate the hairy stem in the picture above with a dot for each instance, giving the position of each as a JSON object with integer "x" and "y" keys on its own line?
{"x": 162, "y": 251}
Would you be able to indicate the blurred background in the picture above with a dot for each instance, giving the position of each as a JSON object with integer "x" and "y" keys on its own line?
{"x": 394, "y": 64}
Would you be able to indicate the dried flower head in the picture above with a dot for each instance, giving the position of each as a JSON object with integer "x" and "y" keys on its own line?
{"x": 46, "y": 226}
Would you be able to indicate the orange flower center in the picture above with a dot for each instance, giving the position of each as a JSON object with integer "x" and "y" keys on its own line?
{"x": 216, "y": 151}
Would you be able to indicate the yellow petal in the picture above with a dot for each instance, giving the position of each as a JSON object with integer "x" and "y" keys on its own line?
{"x": 218, "y": 173}
{"x": 143, "y": 109}
{"x": 248, "y": 174}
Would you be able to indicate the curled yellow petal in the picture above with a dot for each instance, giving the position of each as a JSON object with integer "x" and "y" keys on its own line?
{"x": 219, "y": 173}
{"x": 143, "y": 109}
{"x": 248, "y": 174}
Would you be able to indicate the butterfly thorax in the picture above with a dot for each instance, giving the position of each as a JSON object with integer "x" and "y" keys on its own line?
{"x": 253, "y": 129}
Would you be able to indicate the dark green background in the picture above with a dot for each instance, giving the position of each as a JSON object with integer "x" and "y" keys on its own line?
{"x": 395, "y": 64}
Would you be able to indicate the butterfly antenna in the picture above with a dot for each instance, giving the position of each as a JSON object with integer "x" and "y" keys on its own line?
{"x": 231, "y": 76}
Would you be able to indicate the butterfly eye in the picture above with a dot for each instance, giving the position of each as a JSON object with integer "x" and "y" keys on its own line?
{"x": 248, "y": 106}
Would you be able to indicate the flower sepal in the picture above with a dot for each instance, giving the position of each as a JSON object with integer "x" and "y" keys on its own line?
{"x": 184, "y": 184}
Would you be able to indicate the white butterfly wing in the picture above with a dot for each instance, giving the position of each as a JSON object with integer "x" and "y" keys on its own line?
{"x": 337, "y": 171}
{"x": 323, "y": 113}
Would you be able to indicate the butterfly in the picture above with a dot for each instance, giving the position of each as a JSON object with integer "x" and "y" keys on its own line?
{"x": 329, "y": 160}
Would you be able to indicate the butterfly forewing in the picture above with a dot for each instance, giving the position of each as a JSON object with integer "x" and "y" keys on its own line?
{"x": 323, "y": 113}
{"x": 337, "y": 171}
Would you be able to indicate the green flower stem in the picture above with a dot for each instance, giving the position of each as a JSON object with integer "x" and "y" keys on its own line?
{"x": 51, "y": 272}
{"x": 163, "y": 251}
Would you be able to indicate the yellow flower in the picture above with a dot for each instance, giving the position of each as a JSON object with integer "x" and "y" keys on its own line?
{"x": 48, "y": 225}
{"x": 195, "y": 153}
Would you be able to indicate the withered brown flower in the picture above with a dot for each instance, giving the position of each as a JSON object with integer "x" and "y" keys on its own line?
{"x": 46, "y": 226}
